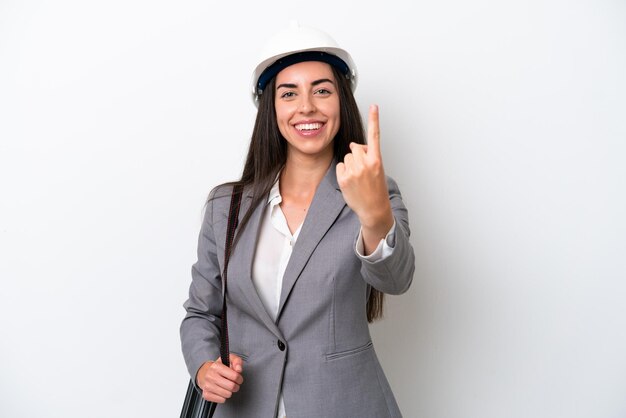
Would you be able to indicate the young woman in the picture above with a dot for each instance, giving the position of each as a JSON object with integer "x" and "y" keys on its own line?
{"x": 323, "y": 234}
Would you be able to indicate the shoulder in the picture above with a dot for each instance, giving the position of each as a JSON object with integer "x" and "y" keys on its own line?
{"x": 218, "y": 203}
{"x": 392, "y": 185}
{"x": 221, "y": 192}
{"x": 397, "y": 203}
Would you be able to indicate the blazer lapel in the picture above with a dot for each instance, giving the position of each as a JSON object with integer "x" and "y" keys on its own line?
{"x": 244, "y": 257}
{"x": 324, "y": 210}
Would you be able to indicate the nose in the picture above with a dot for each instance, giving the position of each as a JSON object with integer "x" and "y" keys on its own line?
{"x": 307, "y": 105}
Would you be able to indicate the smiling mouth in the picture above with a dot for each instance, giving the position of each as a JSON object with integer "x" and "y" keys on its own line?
{"x": 303, "y": 127}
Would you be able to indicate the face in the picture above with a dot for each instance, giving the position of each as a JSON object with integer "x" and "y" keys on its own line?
{"x": 307, "y": 109}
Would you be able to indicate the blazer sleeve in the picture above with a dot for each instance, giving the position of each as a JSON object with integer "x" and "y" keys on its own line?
{"x": 201, "y": 326}
{"x": 393, "y": 274}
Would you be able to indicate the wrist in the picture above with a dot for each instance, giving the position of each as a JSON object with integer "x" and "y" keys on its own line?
{"x": 382, "y": 218}
{"x": 373, "y": 234}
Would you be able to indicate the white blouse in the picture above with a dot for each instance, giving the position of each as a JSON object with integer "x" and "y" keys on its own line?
{"x": 273, "y": 250}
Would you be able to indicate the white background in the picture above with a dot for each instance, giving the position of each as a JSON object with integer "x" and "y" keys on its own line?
{"x": 503, "y": 123}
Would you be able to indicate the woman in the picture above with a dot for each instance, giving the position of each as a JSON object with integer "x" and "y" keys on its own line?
{"x": 323, "y": 234}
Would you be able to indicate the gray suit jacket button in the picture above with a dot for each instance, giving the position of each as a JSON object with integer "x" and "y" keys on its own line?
{"x": 281, "y": 345}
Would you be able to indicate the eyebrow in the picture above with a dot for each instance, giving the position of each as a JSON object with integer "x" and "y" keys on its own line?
{"x": 314, "y": 83}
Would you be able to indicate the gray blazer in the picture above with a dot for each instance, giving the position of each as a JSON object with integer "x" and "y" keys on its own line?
{"x": 319, "y": 350}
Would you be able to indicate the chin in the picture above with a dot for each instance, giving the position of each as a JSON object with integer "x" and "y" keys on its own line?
{"x": 314, "y": 151}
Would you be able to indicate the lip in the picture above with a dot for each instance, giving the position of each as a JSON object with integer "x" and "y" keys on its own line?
{"x": 309, "y": 127}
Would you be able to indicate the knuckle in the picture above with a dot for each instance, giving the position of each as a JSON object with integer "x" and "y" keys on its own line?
{"x": 375, "y": 164}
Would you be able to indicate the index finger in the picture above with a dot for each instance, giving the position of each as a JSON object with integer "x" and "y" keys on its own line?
{"x": 373, "y": 131}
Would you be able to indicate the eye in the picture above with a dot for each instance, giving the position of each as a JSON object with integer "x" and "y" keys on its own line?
{"x": 287, "y": 95}
{"x": 323, "y": 91}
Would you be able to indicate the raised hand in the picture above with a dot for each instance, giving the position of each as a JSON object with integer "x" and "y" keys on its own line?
{"x": 361, "y": 178}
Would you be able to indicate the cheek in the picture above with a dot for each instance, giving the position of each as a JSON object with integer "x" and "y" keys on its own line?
{"x": 282, "y": 120}
{"x": 283, "y": 131}
{"x": 284, "y": 113}
{"x": 333, "y": 111}
{"x": 336, "y": 124}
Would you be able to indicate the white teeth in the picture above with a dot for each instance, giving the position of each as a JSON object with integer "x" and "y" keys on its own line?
{"x": 308, "y": 126}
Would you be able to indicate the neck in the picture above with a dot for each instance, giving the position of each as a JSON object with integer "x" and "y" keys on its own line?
{"x": 300, "y": 177}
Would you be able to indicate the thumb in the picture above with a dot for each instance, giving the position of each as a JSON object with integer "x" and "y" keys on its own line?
{"x": 236, "y": 363}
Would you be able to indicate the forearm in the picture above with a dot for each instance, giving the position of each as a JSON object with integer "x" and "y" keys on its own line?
{"x": 393, "y": 272}
{"x": 375, "y": 229}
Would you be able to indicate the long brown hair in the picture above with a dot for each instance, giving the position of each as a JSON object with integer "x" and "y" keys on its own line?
{"x": 267, "y": 156}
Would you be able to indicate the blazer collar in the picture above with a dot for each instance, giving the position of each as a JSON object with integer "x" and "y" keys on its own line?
{"x": 243, "y": 259}
{"x": 325, "y": 208}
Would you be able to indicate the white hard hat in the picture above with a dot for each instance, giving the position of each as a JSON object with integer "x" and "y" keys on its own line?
{"x": 295, "y": 44}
